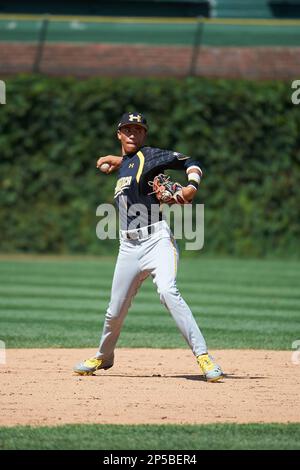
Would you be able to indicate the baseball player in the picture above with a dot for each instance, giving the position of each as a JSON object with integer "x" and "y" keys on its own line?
{"x": 148, "y": 249}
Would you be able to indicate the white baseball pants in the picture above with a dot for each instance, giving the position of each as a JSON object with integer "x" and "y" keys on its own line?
{"x": 155, "y": 255}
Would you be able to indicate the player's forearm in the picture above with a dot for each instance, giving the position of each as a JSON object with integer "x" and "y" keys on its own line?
{"x": 194, "y": 174}
{"x": 188, "y": 193}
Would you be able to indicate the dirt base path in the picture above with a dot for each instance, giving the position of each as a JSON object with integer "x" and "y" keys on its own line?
{"x": 152, "y": 386}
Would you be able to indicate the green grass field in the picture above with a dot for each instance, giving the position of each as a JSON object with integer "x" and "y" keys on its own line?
{"x": 60, "y": 302}
{"x": 162, "y": 437}
{"x": 237, "y": 303}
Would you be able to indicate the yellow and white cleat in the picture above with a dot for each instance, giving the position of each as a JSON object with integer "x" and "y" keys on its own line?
{"x": 209, "y": 368}
{"x": 89, "y": 366}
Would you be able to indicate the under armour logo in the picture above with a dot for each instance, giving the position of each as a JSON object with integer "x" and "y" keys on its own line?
{"x": 137, "y": 118}
{"x": 131, "y": 165}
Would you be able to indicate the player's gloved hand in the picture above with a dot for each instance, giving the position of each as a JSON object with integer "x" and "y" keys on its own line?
{"x": 170, "y": 192}
{"x": 113, "y": 161}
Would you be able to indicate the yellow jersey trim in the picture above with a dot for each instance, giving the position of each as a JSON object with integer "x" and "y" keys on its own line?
{"x": 141, "y": 167}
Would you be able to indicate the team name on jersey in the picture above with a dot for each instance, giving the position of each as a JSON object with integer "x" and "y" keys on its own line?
{"x": 122, "y": 184}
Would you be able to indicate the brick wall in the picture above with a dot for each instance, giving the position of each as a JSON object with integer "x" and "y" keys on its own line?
{"x": 84, "y": 60}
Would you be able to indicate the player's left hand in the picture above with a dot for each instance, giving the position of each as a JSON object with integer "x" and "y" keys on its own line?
{"x": 169, "y": 192}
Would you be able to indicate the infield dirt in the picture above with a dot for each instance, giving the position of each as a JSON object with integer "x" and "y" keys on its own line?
{"x": 154, "y": 386}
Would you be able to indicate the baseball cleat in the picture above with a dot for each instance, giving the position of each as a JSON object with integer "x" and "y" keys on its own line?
{"x": 89, "y": 366}
{"x": 209, "y": 368}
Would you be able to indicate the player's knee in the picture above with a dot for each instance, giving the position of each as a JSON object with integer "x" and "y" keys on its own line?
{"x": 112, "y": 313}
{"x": 166, "y": 293}
{"x": 113, "y": 323}
{"x": 117, "y": 309}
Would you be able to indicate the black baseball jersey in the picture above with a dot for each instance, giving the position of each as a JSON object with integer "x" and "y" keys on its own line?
{"x": 137, "y": 206}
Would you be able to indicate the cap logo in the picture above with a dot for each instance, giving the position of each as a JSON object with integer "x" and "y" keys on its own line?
{"x": 136, "y": 118}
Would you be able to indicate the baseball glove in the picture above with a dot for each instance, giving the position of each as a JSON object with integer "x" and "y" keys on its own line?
{"x": 167, "y": 191}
